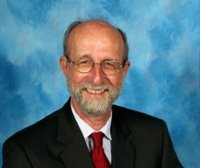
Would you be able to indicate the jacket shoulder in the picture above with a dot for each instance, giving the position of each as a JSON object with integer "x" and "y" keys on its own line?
{"x": 137, "y": 119}
{"x": 133, "y": 114}
{"x": 37, "y": 131}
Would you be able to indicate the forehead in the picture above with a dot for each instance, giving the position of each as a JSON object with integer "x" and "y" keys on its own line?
{"x": 95, "y": 30}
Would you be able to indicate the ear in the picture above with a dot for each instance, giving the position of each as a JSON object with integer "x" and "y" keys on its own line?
{"x": 63, "y": 64}
{"x": 126, "y": 67}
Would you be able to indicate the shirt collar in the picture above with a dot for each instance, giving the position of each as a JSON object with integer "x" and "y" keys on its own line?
{"x": 87, "y": 130}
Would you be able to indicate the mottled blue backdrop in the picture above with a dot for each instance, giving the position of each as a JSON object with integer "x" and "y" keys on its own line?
{"x": 163, "y": 80}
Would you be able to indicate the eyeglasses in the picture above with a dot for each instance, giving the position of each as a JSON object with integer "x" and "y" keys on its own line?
{"x": 86, "y": 64}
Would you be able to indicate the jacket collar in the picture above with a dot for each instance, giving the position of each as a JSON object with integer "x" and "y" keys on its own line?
{"x": 75, "y": 152}
{"x": 74, "y": 146}
{"x": 123, "y": 150}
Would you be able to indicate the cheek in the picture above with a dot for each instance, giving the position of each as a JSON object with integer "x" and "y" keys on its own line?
{"x": 116, "y": 81}
{"x": 75, "y": 77}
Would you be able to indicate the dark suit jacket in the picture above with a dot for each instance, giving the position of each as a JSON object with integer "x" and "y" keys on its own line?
{"x": 138, "y": 141}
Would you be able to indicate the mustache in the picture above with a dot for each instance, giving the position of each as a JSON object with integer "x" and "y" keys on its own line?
{"x": 94, "y": 87}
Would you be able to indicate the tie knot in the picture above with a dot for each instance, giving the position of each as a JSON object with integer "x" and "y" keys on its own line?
{"x": 97, "y": 138}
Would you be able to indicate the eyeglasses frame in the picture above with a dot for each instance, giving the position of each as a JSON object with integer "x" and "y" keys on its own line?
{"x": 73, "y": 62}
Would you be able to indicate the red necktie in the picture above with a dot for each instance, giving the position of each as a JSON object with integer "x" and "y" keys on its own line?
{"x": 98, "y": 156}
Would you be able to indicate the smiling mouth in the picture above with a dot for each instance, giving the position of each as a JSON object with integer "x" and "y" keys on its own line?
{"x": 96, "y": 91}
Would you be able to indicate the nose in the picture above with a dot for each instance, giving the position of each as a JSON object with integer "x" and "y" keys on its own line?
{"x": 97, "y": 76}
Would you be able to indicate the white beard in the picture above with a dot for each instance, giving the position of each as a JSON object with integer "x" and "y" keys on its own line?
{"x": 89, "y": 105}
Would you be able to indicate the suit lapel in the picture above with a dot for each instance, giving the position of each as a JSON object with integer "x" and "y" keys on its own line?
{"x": 72, "y": 144}
{"x": 76, "y": 154}
{"x": 74, "y": 149}
{"x": 123, "y": 151}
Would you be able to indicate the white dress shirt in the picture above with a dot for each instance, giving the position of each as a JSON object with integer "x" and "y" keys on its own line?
{"x": 87, "y": 131}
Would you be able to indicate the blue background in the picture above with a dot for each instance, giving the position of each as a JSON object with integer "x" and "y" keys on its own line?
{"x": 163, "y": 80}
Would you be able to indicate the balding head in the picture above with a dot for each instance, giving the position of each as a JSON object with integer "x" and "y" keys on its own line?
{"x": 93, "y": 27}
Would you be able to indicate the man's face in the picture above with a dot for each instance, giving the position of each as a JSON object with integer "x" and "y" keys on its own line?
{"x": 94, "y": 92}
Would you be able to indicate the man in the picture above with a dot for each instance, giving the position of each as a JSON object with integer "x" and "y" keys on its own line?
{"x": 95, "y": 63}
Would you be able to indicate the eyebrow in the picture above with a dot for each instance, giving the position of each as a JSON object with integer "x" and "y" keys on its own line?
{"x": 85, "y": 55}
{"x": 89, "y": 56}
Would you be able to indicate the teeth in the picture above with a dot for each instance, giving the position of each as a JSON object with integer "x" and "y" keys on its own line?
{"x": 95, "y": 91}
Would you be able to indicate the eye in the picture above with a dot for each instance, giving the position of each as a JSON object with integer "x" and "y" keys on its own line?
{"x": 84, "y": 62}
{"x": 109, "y": 64}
